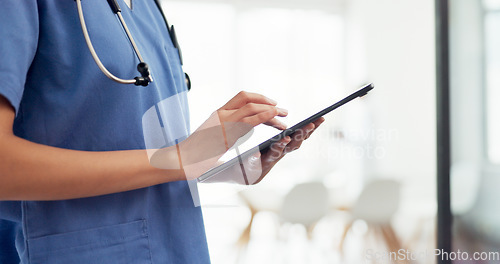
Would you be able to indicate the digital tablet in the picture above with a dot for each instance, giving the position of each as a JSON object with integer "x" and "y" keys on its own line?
{"x": 264, "y": 146}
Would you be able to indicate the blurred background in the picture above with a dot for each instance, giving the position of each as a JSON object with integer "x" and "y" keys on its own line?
{"x": 475, "y": 113}
{"x": 365, "y": 183}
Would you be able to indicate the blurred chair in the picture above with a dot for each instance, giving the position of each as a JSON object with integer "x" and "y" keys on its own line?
{"x": 376, "y": 205}
{"x": 258, "y": 200}
{"x": 305, "y": 204}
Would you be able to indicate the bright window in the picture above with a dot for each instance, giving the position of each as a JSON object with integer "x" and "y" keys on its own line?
{"x": 280, "y": 52}
{"x": 492, "y": 61}
{"x": 286, "y": 53}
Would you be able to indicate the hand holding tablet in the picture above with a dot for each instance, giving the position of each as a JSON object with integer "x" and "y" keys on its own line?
{"x": 266, "y": 145}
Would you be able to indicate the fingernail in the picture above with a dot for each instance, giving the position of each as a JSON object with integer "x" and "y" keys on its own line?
{"x": 272, "y": 101}
{"x": 282, "y": 125}
{"x": 254, "y": 160}
{"x": 282, "y": 111}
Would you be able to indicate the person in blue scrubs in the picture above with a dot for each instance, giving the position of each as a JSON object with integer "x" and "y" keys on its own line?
{"x": 76, "y": 185}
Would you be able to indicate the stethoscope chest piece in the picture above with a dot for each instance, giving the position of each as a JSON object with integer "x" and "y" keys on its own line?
{"x": 145, "y": 76}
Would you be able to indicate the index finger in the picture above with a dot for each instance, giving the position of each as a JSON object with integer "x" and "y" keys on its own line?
{"x": 243, "y": 98}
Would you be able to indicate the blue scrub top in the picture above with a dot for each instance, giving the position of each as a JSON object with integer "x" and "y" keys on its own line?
{"x": 62, "y": 99}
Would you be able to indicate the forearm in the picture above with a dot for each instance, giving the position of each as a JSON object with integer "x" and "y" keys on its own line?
{"x": 30, "y": 171}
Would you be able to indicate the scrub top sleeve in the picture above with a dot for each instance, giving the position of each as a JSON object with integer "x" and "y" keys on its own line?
{"x": 19, "y": 40}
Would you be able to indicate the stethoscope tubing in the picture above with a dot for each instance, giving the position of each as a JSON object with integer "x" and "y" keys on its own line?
{"x": 131, "y": 39}
{"x": 93, "y": 52}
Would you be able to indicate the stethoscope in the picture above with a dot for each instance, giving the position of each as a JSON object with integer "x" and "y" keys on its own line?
{"x": 142, "y": 67}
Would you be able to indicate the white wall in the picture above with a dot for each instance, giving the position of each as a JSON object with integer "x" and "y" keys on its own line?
{"x": 399, "y": 46}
